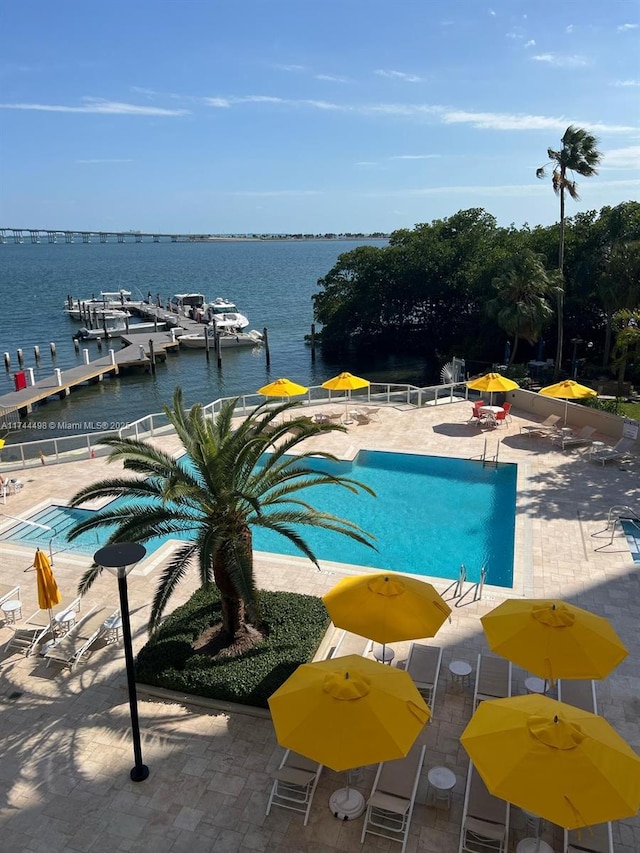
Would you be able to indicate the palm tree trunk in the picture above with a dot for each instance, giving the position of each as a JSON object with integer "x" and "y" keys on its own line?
{"x": 561, "y": 290}
{"x": 233, "y": 611}
{"x": 607, "y": 340}
{"x": 513, "y": 351}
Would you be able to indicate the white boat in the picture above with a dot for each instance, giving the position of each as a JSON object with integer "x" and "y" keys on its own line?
{"x": 109, "y": 324}
{"x": 110, "y": 300}
{"x": 114, "y": 324}
{"x": 224, "y": 315}
{"x": 221, "y": 314}
{"x": 227, "y": 340}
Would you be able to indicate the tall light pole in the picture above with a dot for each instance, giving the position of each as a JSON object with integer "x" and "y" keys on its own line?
{"x": 120, "y": 558}
{"x": 574, "y": 360}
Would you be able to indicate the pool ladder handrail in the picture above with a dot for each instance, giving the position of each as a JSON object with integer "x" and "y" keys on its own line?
{"x": 616, "y": 515}
{"x": 476, "y": 588}
{"x": 486, "y": 459}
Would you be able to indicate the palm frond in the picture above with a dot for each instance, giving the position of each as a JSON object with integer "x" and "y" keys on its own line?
{"x": 169, "y": 579}
{"x": 88, "y": 578}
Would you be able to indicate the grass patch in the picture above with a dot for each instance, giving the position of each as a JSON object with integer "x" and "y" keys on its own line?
{"x": 295, "y": 625}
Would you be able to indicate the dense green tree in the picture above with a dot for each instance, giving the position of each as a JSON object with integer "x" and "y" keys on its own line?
{"x": 213, "y": 497}
{"x": 521, "y": 306}
{"x": 579, "y": 155}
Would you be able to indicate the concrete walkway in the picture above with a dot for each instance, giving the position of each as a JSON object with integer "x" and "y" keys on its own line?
{"x": 65, "y": 738}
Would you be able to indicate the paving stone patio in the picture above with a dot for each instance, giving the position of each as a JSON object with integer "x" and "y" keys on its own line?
{"x": 65, "y": 737}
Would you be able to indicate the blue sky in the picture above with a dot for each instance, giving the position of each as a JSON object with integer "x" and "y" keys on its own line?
{"x": 340, "y": 115}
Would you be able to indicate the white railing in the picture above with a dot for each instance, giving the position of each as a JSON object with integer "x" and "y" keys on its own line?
{"x": 70, "y": 448}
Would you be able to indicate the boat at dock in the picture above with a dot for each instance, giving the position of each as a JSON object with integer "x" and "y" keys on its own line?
{"x": 221, "y": 314}
{"x": 109, "y": 300}
{"x": 114, "y": 324}
{"x": 226, "y": 339}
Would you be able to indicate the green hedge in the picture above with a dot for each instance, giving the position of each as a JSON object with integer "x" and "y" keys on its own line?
{"x": 295, "y": 626}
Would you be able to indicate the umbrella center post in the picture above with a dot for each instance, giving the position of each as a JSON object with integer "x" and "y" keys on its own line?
{"x": 347, "y": 803}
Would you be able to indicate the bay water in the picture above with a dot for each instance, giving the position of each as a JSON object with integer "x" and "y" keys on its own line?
{"x": 272, "y": 282}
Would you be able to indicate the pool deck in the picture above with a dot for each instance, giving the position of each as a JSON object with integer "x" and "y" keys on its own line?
{"x": 65, "y": 737}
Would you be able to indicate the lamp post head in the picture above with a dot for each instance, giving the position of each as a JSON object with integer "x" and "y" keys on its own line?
{"x": 120, "y": 557}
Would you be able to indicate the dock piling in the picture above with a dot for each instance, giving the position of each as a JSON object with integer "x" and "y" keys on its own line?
{"x": 152, "y": 355}
{"x": 7, "y": 362}
{"x": 36, "y": 353}
{"x": 20, "y": 358}
{"x": 32, "y": 378}
{"x": 206, "y": 342}
{"x": 265, "y": 338}
{"x": 85, "y": 356}
{"x": 76, "y": 345}
{"x": 52, "y": 348}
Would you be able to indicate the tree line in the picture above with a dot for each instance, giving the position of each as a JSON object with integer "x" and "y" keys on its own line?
{"x": 463, "y": 285}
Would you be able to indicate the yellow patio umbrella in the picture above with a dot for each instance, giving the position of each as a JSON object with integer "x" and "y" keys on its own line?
{"x": 386, "y": 607}
{"x": 348, "y": 712}
{"x": 567, "y": 390}
{"x": 492, "y": 382}
{"x": 346, "y": 382}
{"x": 553, "y": 639}
{"x": 566, "y": 765}
{"x": 283, "y": 388}
{"x": 48, "y": 592}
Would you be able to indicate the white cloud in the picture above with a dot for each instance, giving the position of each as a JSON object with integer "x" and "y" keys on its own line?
{"x": 331, "y": 78}
{"x": 535, "y": 188}
{"x": 492, "y": 13}
{"x": 515, "y": 121}
{"x": 531, "y": 43}
{"x": 367, "y": 163}
{"x": 626, "y": 83}
{"x": 561, "y": 60}
{"x": 623, "y": 27}
{"x": 399, "y": 75}
{"x": 569, "y": 28}
{"x": 140, "y": 90}
{"x": 216, "y": 102}
{"x": 622, "y": 158}
{"x": 276, "y": 193}
{"x": 291, "y": 68}
{"x": 95, "y": 105}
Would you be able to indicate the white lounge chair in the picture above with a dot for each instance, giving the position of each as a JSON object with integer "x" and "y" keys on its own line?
{"x": 38, "y": 627}
{"x": 623, "y": 448}
{"x": 579, "y": 692}
{"x": 590, "y": 839}
{"x": 423, "y": 665}
{"x": 493, "y": 679}
{"x": 295, "y": 784}
{"x": 70, "y": 649}
{"x": 581, "y": 437}
{"x": 393, "y": 796}
{"x": 547, "y": 427}
{"x": 350, "y": 644}
{"x": 485, "y": 818}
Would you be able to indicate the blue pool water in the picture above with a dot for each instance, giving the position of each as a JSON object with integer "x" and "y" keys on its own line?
{"x": 431, "y": 515}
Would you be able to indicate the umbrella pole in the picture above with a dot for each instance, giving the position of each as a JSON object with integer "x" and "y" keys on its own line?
{"x": 566, "y": 410}
{"x": 347, "y": 803}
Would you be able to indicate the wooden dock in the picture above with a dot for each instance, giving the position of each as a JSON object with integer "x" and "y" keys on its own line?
{"x": 63, "y": 381}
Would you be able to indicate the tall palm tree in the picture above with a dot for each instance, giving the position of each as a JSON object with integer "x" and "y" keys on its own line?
{"x": 212, "y": 497}
{"x": 579, "y": 155}
{"x": 521, "y": 305}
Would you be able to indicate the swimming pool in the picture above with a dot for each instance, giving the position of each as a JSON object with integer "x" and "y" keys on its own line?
{"x": 431, "y": 515}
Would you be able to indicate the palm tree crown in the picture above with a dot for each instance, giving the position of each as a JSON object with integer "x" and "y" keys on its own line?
{"x": 212, "y": 497}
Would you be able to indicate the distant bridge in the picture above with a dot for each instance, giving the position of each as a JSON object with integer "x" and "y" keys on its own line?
{"x": 53, "y": 235}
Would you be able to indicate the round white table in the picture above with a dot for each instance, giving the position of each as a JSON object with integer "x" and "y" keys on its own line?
{"x": 383, "y": 654}
{"x": 442, "y": 781}
{"x": 533, "y": 845}
{"x": 490, "y": 410}
{"x": 460, "y": 672}
{"x": 346, "y": 804}
{"x": 12, "y": 610}
{"x": 535, "y": 685}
